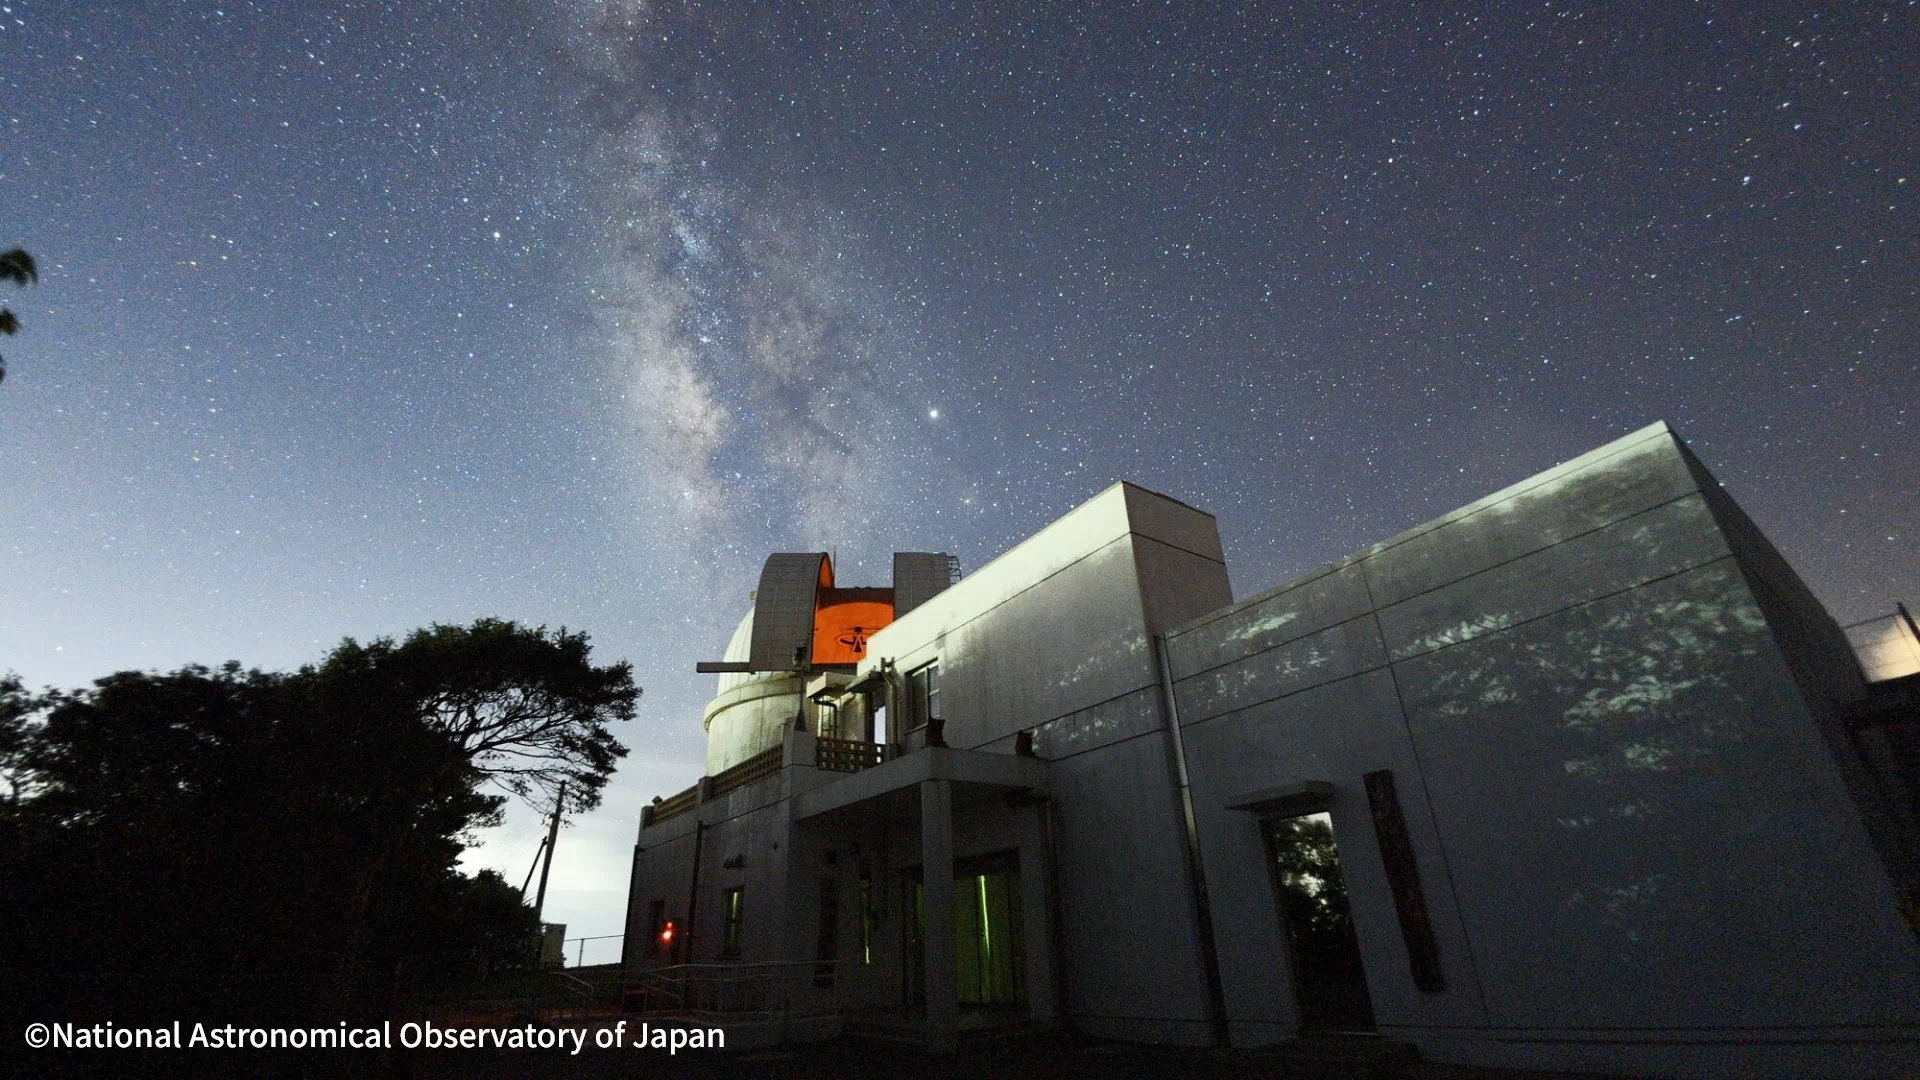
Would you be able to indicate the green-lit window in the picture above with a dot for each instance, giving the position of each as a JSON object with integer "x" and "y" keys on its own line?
{"x": 730, "y": 926}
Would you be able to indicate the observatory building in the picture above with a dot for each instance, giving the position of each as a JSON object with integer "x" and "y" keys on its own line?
{"x": 1579, "y": 776}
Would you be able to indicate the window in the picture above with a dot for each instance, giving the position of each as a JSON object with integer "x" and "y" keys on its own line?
{"x": 923, "y": 689}
{"x": 730, "y": 927}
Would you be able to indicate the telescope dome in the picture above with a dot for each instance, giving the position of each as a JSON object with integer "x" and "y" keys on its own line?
{"x": 750, "y": 710}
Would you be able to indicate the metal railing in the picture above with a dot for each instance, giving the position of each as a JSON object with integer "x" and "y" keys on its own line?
{"x": 758, "y": 767}
{"x": 847, "y": 755}
{"x": 738, "y": 990}
{"x": 671, "y": 806}
{"x": 577, "y": 995}
{"x": 580, "y": 954}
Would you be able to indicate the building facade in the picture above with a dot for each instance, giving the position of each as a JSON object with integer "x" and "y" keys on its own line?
{"x": 1579, "y": 776}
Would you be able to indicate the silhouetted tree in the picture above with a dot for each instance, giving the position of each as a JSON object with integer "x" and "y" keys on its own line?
{"x": 15, "y": 706}
{"x": 491, "y": 704}
{"x": 172, "y": 829}
{"x": 441, "y": 925}
{"x": 15, "y": 266}
{"x": 201, "y": 828}
{"x": 523, "y": 708}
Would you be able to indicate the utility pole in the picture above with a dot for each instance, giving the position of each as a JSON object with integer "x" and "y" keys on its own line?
{"x": 553, "y": 833}
{"x": 527, "y": 882}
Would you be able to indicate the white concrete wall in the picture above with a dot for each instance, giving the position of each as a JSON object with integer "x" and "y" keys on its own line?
{"x": 1054, "y": 636}
{"x": 1637, "y": 850}
{"x": 745, "y": 825}
{"x": 1634, "y": 834}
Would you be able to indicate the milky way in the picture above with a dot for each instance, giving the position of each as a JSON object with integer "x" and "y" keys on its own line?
{"x": 355, "y": 317}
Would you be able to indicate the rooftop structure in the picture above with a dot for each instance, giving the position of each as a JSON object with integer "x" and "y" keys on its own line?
{"x": 1578, "y": 776}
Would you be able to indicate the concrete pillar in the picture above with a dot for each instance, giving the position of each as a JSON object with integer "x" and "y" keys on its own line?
{"x": 1036, "y": 909}
{"x": 799, "y": 749}
{"x": 799, "y": 882}
{"x": 937, "y": 925}
{"x": 774, "y": 938}
{"x": 798, "y": 762}
{"x": 635, "y": 942}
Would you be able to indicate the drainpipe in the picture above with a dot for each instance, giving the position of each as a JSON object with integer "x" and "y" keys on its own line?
{"x": 1196, "y": 871}
{"x": 888, "y": 673}
{"x": 693, "y": 887}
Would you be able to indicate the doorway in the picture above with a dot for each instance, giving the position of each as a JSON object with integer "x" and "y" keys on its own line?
{"x": 989, "y": 939}
{"x": 913, "y": 949}
{"x": 1328, "y": 978}
{"x": 989, "y": 954}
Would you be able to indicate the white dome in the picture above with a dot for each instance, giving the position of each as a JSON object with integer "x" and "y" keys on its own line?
{"x": 750, "y": 710}
{"x": 739, "y": 651}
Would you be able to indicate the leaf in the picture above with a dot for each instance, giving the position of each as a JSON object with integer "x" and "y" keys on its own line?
{"x": 17, "y": 266}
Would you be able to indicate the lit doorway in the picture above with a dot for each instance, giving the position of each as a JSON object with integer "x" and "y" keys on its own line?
{"x": 989, "y": 945}
{"x": 913, "y": 950}
{"x": 989, "y": 957}
{"x": 1327, "y": 975}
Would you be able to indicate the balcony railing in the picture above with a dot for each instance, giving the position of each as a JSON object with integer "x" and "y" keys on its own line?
{"x": 847, "y": 755}
{"x": 833, "y": 755}
{"x": 672, "y": 806}
{"x": 758, "y": 767}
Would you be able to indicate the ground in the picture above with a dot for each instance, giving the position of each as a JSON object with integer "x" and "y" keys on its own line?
{"x": 1027, "y": 1057}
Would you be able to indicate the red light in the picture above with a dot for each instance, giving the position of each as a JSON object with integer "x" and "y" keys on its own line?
{"x": 666, "y": 933}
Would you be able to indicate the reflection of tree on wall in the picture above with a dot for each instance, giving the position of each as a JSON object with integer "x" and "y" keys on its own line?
{"x": 1612, "y": 720}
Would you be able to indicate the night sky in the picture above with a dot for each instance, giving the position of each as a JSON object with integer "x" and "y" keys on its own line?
{"x": 357, "y": 317}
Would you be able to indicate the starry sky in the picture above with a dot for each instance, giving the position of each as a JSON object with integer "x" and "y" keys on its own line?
{"x": 355, "y": 317}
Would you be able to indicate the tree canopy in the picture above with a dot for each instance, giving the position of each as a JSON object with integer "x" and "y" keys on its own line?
{"x": 522, "y": 709}
{"x": 16, "y": 266}
{"x": 245, "y": 824}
